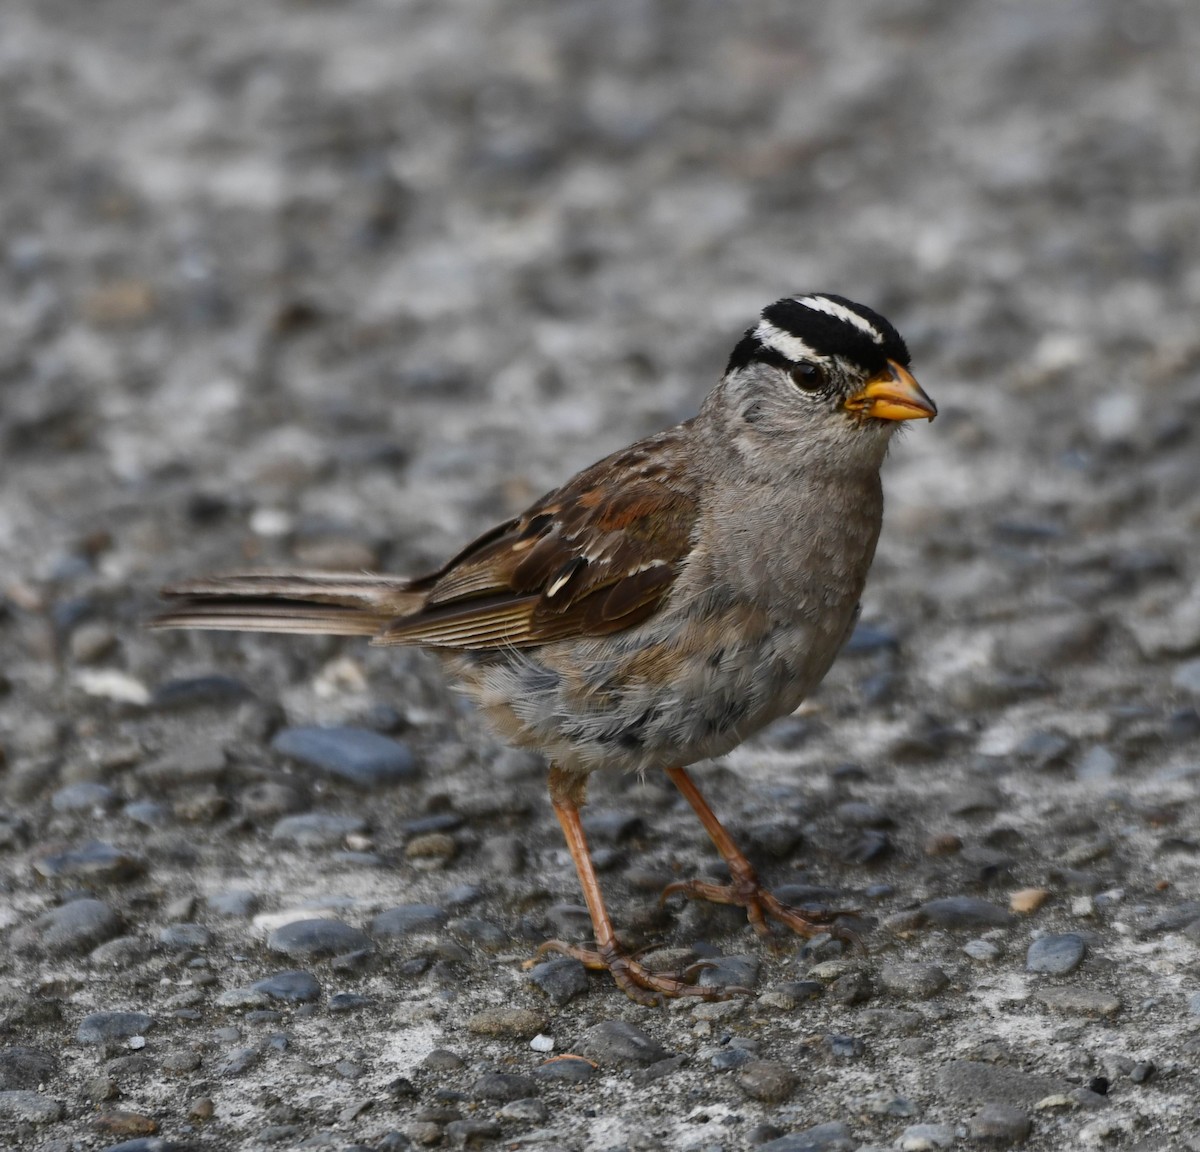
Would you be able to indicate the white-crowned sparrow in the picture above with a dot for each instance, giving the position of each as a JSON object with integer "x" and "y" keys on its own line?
{"x": 666, "y": 602}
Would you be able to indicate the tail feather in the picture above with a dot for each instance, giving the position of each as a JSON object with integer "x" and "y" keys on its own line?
{"x": 335, "y": 604}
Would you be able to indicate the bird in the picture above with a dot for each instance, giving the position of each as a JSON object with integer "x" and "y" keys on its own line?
{"x": 661, "y": 606}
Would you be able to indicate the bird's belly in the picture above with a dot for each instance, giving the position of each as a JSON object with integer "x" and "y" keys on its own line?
{"x": 661, "y": 695}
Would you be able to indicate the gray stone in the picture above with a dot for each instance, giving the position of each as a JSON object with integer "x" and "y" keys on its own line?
{"x": 236, "y": 903}
{"x": 307, "y": 939}
{"x": 317, "y": 829}
{"x": 619, "y": 1043}
{"x": 237, "y": 1062}
{"x": 74, "y": 927}
{"x": 767, "y": 1081}
{"x": 971, "y": 1083}
{"x": 294, "y": 987}
{"x": 1186, "y": 677}
{"x": 831, "y": 1137}
{"x": 30, "y": 1107}
{"x": 105, "y": 1027}
{"x": 409, "y": 919}
{"x": 915, "y": 981}
{"x": 26, "y": 1068}
{"x": 1056, "y": 955}
{"x": 1080, "y": 1001}
{"x": 503, "y": 1086}
{"x": 92, "y": 863}
{"x": 925, "y": 1138}
{"x": 356, "y": 755}
{"x": 527, "y": 1111}
{"x": 86, "y": 796}
{"x": 999, "y": 1125}
{"x": 185, "y": 936}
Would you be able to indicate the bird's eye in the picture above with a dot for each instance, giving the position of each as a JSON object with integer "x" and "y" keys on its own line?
{"x": 808, "y": 376}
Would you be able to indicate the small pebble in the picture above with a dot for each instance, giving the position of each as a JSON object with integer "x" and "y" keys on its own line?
{"x": 1028, "y": 900}
{"x": 1055, "y": 955}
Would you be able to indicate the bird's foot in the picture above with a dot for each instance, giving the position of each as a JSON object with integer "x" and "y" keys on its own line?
{"x": 760, "y": 904}
{"x": 641, "y": 984}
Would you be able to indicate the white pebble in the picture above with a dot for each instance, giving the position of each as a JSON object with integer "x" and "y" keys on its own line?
{"x": 542, "y": 1043}
{"x": 137, "y": 1042}
{"x": 1083, "y": 906}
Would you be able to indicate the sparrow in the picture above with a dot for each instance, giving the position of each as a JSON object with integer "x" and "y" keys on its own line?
{"x": 662, "y": 605}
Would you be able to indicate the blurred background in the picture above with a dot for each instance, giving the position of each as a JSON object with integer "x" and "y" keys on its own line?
{"x": 339, "y": 282}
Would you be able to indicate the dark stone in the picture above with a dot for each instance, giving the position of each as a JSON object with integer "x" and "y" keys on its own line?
{"x": 199, "y": 692}
{"x": 560, "y": 979}
{"x": 503, "y": 1086}
{"x": 26, "y": 1068}
{"x": 72, "y": 928}
{"x": 306, "y": 939}
{"x": 730, "y": 972}
{"x": 573, "y": 1069}
{"x": 657, "y": 1070}
{"x": 93, "y": 863}
{"x": 356, "y": 755}
{"x": 482, "y": 933}
{"x": 293, "y": 987}
{"x": 408, "y": 919}
{"x": 349, "y": 1002}
{"x": 966, "y": 912}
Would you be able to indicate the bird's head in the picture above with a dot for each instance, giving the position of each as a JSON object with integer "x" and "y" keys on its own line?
{"x": 821, "y": 370}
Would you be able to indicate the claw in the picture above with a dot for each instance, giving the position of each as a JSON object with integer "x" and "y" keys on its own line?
{"x": 640, "y": 983}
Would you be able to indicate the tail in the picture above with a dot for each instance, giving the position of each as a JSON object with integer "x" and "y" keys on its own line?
{"x": 326, "y": 603}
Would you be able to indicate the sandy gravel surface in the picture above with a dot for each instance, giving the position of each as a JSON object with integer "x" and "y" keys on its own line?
{"x": 339, "y": 284}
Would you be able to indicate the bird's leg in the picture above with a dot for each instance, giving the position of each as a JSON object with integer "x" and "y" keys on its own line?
{"x": 638, "y": 982}
{"x": 744, "y": 889}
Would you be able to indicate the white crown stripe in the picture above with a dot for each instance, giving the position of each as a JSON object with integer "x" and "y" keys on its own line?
{"x": 832, "y": 308}
{"x": 784, "y": 342}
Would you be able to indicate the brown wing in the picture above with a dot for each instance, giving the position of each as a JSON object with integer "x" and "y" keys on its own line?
{"x": 592, "y": 557}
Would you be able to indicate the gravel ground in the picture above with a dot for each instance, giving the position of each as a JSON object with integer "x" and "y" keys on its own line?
{"x": 340, "y": 283}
